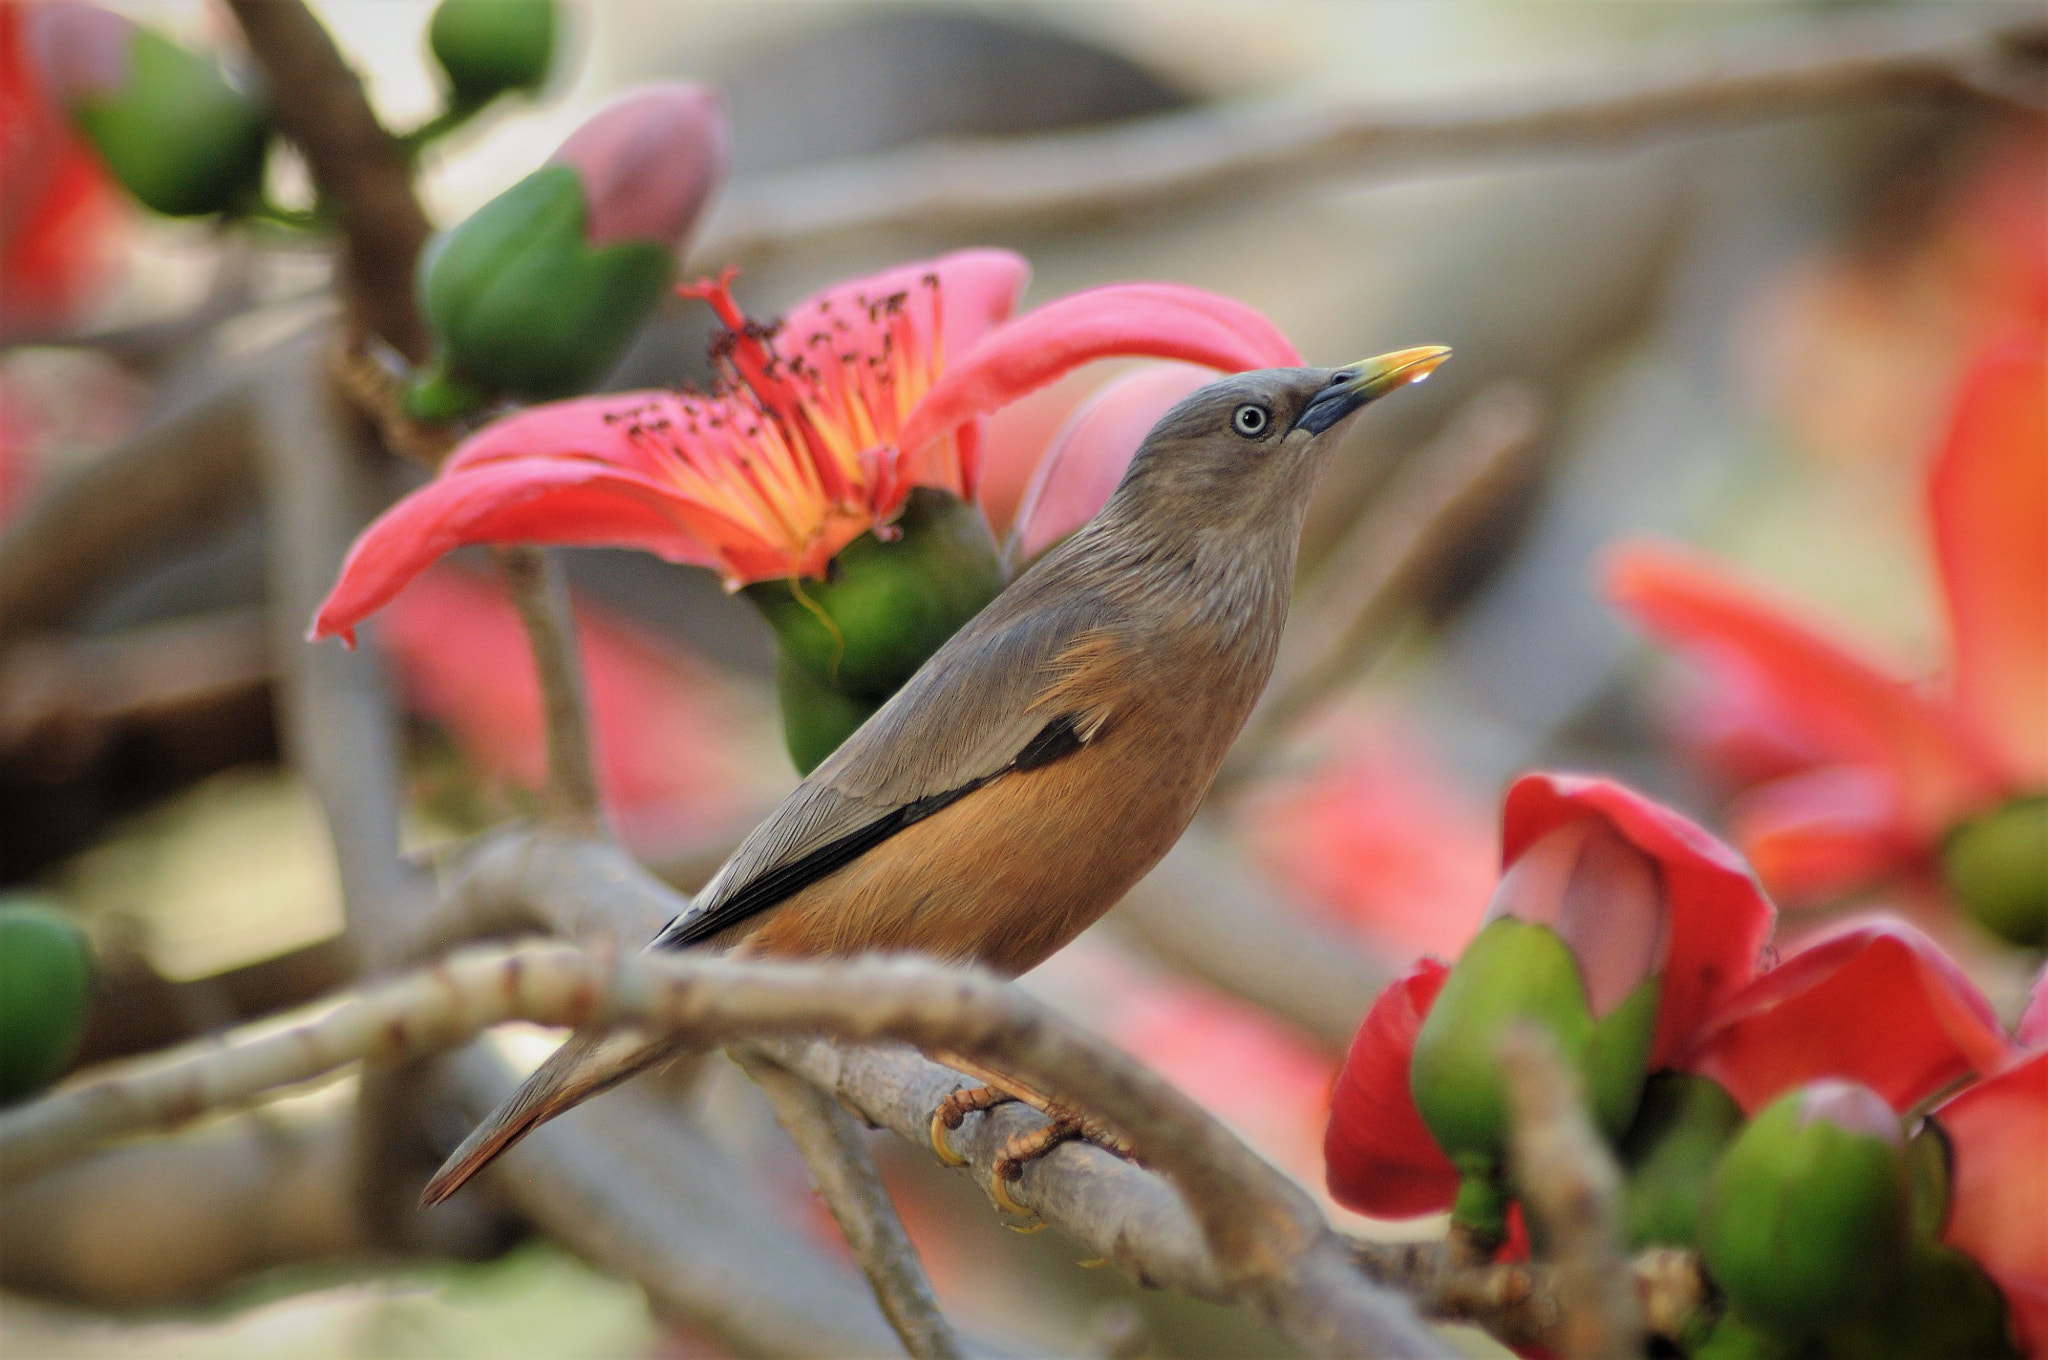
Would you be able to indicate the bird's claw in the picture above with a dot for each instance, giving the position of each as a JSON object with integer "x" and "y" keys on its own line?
{"x": 1029, "y": 1146}
{"x": 953, "y": 1111}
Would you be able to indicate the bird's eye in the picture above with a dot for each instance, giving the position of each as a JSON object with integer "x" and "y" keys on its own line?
{"x": 1250, "y": 420}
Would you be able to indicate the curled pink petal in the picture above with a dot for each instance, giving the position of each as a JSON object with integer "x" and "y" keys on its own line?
{"x": 1877, "y": 1003}
{"x": 81, "y": 50}
{"x": 1160, "y": 321}
{"x": 1378, "y": 1155}
{"x": 650, "y": 163}
{"x": 1601, "y": 895}
{"x": 1988, "y": 499}
{"x": 1719, "y": 918}
{"x": 523, "y": 501}
{"x": 1087, "y": 458}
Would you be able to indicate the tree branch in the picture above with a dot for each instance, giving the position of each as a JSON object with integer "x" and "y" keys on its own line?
{"x": 845, "y": 1174}
{"x": 359, "y": 168}
{"x": 1570, "y": 1186}
{"x": 964, "y": 189}
{"x": 569, "y": 799}
{"x": 1269, "y": 1245}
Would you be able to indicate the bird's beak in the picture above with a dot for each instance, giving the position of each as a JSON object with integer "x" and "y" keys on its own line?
{"x": 1353, "y": 385}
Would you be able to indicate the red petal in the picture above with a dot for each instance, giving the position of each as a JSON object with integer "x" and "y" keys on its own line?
{"x": 1719, "y": 917}
{"x": 1379, "y": 1156}
{"x": 1851, "y": 710}
{"x": 1988, "y": 497}
{"x": 1878, "y": 1004}
{"x": 1156, "y": 320}
{"x": 978, "y": 291}
{"x": 1998, "y": 1210}
{"x": 599, "y": 428}
{"x": 1087, "y": 458}
{"x": 529, "y": 500}
{"x": 2032, "y": 1030}
{"x": 1814, "y": 836}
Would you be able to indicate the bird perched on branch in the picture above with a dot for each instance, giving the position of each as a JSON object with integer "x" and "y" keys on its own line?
{"x": 1052, "y": 751}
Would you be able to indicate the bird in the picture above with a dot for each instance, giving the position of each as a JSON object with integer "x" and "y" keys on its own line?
{"x": 1046, "y": 756}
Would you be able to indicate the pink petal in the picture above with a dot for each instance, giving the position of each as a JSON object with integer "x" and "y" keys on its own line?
{"x": 1877, "y": 1003}
{"x": 1156, "y": 320}
{"x": 1846, "y": 705}
{"x": 599, "y": 427}
{"x": 1088, "y": 456}
{"x": 650, "y": 163}
{"x": 2032, "y": 1030}
{"x": 978, "y": 291}
{"x": 81, "y": 51}
{"x": 1814, "y": 836}
{"x": 1378, "y": 1154}
{"x": 1719, "y": 918}
{"x": 529, "y": 500}
{"x": 1014, "y": 441}
{"x": 1988, "y": 498}
{"x": 1998, "y": 1209}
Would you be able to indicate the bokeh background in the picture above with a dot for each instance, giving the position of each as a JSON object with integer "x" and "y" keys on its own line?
{"x": 1745, "y": 336}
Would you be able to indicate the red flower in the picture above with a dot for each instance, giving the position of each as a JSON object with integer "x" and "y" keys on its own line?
{"x": 667, "y": 765}
{"x": 1878, "y": 1004}
{"x": 1893, "y": 765}
{"x": 823, "y": 423}
{"x": 1998, "y": 1200}
{"x": 57, "y": 205}
{"x": 1380, "y": 1157}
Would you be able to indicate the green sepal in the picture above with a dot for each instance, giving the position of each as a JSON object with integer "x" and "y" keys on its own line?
{"x": 1942, "y": 1306}
{"x": 1517, "y": 973}
{"x": 488, "y": 47}
{"x": 884, "y": 608}
{"x": 1930, "y": 1169}
{"x": 521, "y": 304}
{"x": 1733, "y": 1338}
{"x": 1481, "y": 1207}
{"x": 1681, "y": 1128}
{"x": 176, "y": 135}
{"x": 1997, "y": 865}
{"x": 46, "y": 977}
{"x": 1805, "y": 1224}
{"x": 436, "y": 395}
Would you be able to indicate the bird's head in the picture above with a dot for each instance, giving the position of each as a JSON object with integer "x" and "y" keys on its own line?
{"x": 1250, "y": 446}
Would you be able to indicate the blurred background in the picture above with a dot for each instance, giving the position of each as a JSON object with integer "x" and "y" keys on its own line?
{"x": 1744, "y": 334}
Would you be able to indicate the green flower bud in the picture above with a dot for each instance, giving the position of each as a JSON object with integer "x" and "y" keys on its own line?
{"x": 1806, "y": 1221}
{"x": 1684, "y": 1125}
{"x": 849, "y": 642}
{"x": 1942, "y": 1306}
{"x": 1731, "y": 1338}
{"x": 167, "y": 123}
{"x": 539, "y": 292}
{"x": 1998, "y": 867}
{"x": 488, "y": 47}
{"x": 45, "y": 994}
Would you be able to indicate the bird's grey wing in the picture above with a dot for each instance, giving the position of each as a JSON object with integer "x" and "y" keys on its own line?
{"x": 1019, "y": 687}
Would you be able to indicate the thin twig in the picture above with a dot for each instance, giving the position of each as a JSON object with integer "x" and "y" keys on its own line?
{"x": 569, "y": 798}
{"x": 359, "y": 167}
{"x": 1571, "y": 1188}
{"x": 845, "y": 1174}
{"x": 1270, "y": 1245}
{"x": 1406, "y": 539}
{"x": 964, "y": 189}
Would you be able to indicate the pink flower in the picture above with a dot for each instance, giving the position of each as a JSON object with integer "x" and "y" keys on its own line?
{"x": 823, "y": 423}
{"x": 1379, "y": 1155}
{"x": 1892, "y": 764}
{"x": 649, "y": 162}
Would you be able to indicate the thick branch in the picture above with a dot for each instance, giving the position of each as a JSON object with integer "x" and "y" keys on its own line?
{"x": 964, "y": 189}
{"x": 360, "y": 169}
{"x": 1269, "y": 1244}
{"x": 1568, "y": 1182}
{"x": 845, "y": 1174}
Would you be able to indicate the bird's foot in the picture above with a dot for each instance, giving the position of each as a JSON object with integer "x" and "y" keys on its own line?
{"x": 954, "y": 1109}
{"x": 1029, "y": 1146}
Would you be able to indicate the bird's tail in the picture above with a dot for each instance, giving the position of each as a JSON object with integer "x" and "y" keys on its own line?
{"x": 578, "y": 1070}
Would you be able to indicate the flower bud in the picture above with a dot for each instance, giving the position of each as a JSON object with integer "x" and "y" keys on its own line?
{"x": 1941, "y": 1306}
{"x": 1806, "y": 1222}
{"x": 1680, "y": 1131}
{"x": 1998, "y": 866}
{"x": 169, "y": 126}
{"x": 489, "y": 47}
{"x": 45, "y": 994}
{"x": 538, "y": 293}
{"x": 1573, "y": 945}
{"x": 849, "y": 642}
